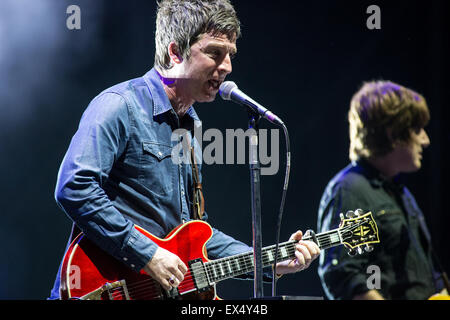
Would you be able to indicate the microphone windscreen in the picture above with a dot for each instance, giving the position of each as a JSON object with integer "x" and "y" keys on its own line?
{"x": 226, "y": 88}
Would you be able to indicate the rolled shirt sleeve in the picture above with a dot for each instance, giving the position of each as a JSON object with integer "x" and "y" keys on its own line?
{"x": 342, "y": 276}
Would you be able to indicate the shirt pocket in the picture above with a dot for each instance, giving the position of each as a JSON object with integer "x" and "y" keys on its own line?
{"x": 393, "y": 230}
{"x": 157, "y": 169}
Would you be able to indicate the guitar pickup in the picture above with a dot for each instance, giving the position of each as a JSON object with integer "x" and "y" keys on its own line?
{"x": 199, "y": 275}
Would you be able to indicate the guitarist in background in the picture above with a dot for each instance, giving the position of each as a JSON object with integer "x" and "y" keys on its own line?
{"x": 387, "y": 137}
{"x": 119, "y": 169}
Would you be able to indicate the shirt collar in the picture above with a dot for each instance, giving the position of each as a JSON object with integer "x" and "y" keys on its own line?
{"x": 161, "y": 103}
{"x": 375, "y": 177}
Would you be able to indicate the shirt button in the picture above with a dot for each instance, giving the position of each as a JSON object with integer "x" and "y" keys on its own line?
{"x": 132, "y": 265}
{"x": 125, "y": 259}
{"x": 159, "y": 153}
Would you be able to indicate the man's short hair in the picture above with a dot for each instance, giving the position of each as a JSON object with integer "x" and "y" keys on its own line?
{"x": 382, "y": 114}
{"x": 184, "y": 21}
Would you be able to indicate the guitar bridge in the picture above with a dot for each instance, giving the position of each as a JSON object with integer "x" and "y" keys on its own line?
{"x": 199, "y": 275}
{"x": 107, "y": 287}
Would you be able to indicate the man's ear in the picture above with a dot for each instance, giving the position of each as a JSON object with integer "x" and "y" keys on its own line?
{"x": 390, "y": 136}
{"x": 174, "y": 53}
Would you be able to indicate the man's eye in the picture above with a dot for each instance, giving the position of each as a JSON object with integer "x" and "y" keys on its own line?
{"x": 215, "y": 53}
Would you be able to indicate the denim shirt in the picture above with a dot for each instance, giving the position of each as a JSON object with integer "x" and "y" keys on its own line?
{"x": 120, "y": 171}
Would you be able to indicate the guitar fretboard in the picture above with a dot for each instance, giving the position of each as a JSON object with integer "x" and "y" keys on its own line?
{"x": 233, "y": 266}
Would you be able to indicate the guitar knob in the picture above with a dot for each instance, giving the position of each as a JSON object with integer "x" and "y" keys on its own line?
{"x": 368, "y": 248}
{"x": 350, "y": 214}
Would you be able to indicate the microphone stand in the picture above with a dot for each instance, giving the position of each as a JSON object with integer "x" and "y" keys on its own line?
{"x": 255, "y": 185}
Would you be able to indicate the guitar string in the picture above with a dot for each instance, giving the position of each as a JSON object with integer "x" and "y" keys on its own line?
{"x": 137, "y": 287}
{"x": 134, "y": 287}
{"x": 146, "y": 289}
{"x": 323, "y": 239}
{"x": 137, "y": 290}
{"x": 289, "y": 246}
{"x": 194, "y": 269}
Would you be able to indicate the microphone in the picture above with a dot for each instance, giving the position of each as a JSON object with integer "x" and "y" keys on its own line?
{"x": 229, "y": 91}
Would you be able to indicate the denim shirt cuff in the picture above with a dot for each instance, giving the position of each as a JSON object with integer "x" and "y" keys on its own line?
{"x": 138, "y": 251}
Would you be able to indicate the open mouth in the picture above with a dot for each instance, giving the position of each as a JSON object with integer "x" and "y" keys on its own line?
{"x": 214, "y": 84}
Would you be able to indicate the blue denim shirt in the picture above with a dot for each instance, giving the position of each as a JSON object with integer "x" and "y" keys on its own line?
{"x": 119, "y": 171}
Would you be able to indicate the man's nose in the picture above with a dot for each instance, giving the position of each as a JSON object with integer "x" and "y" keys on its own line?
{"x": 424, "y": 138}
{"x": 225, "y": 66}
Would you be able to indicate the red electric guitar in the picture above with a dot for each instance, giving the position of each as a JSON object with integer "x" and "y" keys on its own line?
{"x": 89, "y": 273}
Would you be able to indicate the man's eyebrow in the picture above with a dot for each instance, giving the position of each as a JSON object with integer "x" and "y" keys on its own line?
{"x": 231, "y": 49}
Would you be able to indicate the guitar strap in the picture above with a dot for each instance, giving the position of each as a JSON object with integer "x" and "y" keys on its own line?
{"x": 198, "y": 202}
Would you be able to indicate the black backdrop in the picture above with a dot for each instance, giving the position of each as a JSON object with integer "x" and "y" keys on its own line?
{"x": 301, "y": 59}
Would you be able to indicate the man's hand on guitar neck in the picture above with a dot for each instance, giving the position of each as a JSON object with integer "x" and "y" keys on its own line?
{"x": 166, "y": 268}
{"x": 305, "y": 252}
{"x": 169, "y": 270}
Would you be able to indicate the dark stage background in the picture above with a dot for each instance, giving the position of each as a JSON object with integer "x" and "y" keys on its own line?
{"x": 302, "y": 59}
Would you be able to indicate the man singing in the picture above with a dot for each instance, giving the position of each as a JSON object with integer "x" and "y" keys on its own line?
{"x": 119, "y": 171}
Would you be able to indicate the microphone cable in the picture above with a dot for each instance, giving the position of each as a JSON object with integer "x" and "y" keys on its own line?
{"x": 283, "y": 200}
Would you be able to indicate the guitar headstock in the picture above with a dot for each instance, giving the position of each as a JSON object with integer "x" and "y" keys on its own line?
{"x": 357, "y": 230}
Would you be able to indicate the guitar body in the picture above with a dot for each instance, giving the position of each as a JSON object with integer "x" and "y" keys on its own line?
{"x": 90, "y": 273}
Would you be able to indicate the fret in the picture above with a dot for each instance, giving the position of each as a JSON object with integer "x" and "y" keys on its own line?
{"x": 329, "y": 239}
{"x": 230, "y": 270}
{"x": 250, "y": 258}
{"x": 221, "y": 269}
{"x": 319, "y": 243}
{"x": 334, "y": 238}
{"x": 270, "y": 256}
{"x": 283, "y": 254}
{"x": 325, "y": 241}
{"x": 238, "y": 266}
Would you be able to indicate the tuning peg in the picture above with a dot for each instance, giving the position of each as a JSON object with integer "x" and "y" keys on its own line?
{"x": 352, "y": 252}
{"x": 350, "y": 214}
{"x": 359, "y": 212}
{"x": 368, "y": 248}
{"x": 341, "y": 216}
{"x": 360, "y": 250}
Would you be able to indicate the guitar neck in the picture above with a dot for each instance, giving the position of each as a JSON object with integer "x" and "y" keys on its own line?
{"x": 243, "y": 263}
